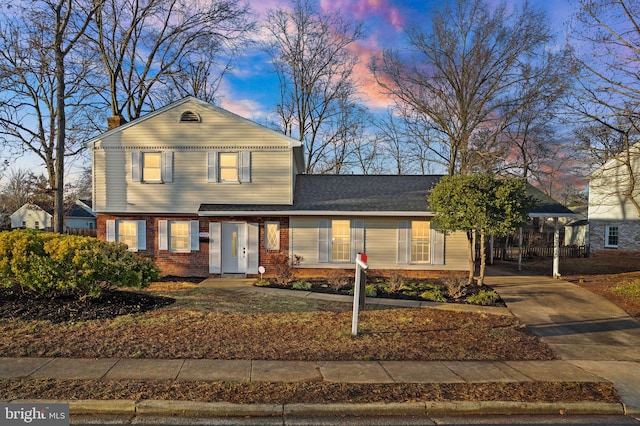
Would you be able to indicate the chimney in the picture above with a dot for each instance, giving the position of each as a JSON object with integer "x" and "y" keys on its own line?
{"x": 115, "y": 121}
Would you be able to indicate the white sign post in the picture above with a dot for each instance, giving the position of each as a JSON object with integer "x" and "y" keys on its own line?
{"x": 361, "y": 265}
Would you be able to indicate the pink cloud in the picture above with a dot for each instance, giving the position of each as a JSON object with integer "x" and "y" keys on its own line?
{"x": 370, "y": 90}
{"x": 361, "y": 9}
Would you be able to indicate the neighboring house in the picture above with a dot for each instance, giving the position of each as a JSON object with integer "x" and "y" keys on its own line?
{"x": 614, "y": 221}
{"x": 31, "y": 216}
{"x": 203, "y": 191}
{"x": 80, "y": 216}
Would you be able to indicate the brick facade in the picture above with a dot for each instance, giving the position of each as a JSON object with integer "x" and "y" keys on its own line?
{"x": 196, "y": 263}
{"x": 628, "y": 234}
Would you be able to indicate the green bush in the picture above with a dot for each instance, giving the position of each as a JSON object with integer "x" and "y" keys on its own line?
{"x": 53, "y": 264}
{"x": 629, "y": 289}
{"x": 370, "y": 290}
{"x": 434, "y": 295}
{"x": 484, "y": 297}
{"x": 301, "y": 285}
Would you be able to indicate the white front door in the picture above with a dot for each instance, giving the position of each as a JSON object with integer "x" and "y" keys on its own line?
{"x": 234, "y": 248}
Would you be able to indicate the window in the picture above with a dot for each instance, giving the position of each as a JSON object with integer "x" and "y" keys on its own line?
{"x": 180, "y": 235}
{"x": 133, "y": 233}
{"x": 420, "y": 241}
{"x": 37, "y": 225}
{"x": 228, "y": 167}
{"x": 611, "y": 237}
{"x": 151, "y": 167}
{"x": 127, "y": 233}
{"x": 340, "y": 240}
{"x": 418, "y": 244}
{"x": 272, "y": 235}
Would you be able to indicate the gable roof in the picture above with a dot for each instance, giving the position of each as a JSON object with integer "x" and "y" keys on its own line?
{"x": 365, "y": 195}
{"x": 190, "y": 99}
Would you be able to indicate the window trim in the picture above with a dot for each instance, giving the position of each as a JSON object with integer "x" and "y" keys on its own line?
{"x": 607, "y": 235}
{"x": 236, "y": 167}
{"x": 427, "y": 244}
{"x": 267, "y": 235}
{"x": 158, "y": 168}
{"x": 341, "y": 242}
{"x": 170, "y": 236}
{"x": 113, "y": 235}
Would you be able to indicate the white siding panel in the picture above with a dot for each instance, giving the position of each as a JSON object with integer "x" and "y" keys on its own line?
{"x": 381, "y": 245}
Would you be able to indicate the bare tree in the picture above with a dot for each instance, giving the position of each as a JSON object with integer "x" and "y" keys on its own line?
{"x": 17, "y": 190}
{"x": 606, "y": 59}
{"x": 41, "y": 76}
{"x": 310, "y": 54}
{"x": 469, "y": 74}
{"x": 151, "y": 46}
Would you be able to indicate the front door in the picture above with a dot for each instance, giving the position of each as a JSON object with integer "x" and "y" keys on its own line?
{"x": 234, "y": 249}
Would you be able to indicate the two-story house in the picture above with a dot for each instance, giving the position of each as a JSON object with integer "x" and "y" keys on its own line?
{"x": 614, "y": 203}
{"x": 203, "y": 191}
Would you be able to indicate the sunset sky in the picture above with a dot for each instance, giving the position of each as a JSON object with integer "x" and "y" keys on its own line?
{"x": 251, "y": 89}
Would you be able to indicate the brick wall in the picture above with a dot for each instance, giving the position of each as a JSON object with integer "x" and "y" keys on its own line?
{"x": 628, "y": 234}
{"x": 196, "y": 263}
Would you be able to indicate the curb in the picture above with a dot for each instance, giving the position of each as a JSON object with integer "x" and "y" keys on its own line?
{"x": 429, "y": 408}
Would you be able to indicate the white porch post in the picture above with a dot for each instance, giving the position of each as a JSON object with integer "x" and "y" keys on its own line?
{"x": 556, "y": 248}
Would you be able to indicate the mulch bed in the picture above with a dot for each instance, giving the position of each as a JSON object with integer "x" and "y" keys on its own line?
{"x": 16, "y": 304}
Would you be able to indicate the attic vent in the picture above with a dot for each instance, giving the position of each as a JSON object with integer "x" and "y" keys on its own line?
{"x": 189, "y": 117}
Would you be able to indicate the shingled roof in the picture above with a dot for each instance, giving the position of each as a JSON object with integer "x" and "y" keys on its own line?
{"x": 368, "y": 194}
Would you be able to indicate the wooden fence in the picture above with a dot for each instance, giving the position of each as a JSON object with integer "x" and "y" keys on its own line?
{"x": 511, "y": 253}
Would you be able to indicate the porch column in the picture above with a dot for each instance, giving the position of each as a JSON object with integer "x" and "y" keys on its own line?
{"x": 556, "y": 248}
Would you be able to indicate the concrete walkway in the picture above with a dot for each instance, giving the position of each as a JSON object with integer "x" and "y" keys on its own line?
{"x": 594, "y": 341}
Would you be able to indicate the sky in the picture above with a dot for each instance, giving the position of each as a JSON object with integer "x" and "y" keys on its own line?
{"x": 251, "y": 89}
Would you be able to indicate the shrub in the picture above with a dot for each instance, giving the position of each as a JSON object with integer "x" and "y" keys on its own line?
{"x": 301, "y": 285}
{"x": 484, "y": 297}
{"x": 338, "y": 279}
{"x": 456, "y": 286}
{"x": 283, "y": 265}
{"x": 395, "y": 282}
{"x": 53, "y": 264}
{"x": 262, "y": 283}
{"x": 630, "y": 288}
{"x": 434, "y": 295}
{"x": 370, "y": 290}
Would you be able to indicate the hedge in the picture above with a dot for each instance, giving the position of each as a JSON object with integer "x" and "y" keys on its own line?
{"x": 45, "y": 263}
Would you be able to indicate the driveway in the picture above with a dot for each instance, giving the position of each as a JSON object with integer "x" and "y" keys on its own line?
{"x": 579, "y": 326}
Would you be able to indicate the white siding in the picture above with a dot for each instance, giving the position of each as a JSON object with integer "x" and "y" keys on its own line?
{"x": 381, "y": 235}
{"x": 116, "y": 192}
{"x": 605, "y": 192}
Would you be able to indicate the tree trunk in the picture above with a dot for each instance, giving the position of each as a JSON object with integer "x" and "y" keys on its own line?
{"x": 58, "y": 202}
{"x": 483, "y": 257}
{"x": 472, "y": 263}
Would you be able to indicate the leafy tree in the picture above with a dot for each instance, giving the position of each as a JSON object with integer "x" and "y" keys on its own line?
{"x": 482, "y": 204}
